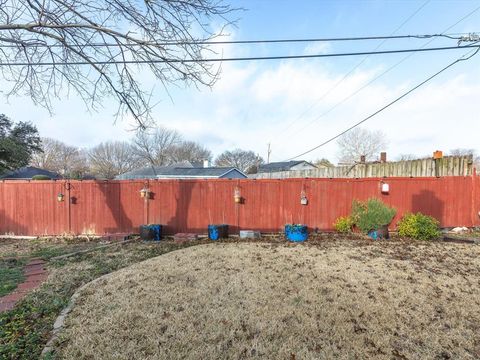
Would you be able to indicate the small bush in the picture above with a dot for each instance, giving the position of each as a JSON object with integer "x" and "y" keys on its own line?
{"x": 371, "y": 214}
{"x": 343, "y": 224}
{"x": 41, "y": 177}
{"x": 419, "y": 226}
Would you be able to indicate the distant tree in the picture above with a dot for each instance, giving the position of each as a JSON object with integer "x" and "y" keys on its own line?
{"x": 241, "y": 159}
{"x": 323, "y": 163}
{"x": 110, "y": 159}
{"x": 189, "y": 151}
{"x": 358, "y": 142}
{"x": 466, "y": 152}
{"x": 61, "y": 158}
{"x": 156, "y": 146}
{"x": 18, "y": 142}
{"x": 407, "y": 157}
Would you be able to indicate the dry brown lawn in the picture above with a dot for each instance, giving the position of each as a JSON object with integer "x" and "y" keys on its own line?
{"x": 344, "y": 299}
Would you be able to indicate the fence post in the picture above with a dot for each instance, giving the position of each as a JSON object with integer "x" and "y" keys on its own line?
{"x": 68, "y": 187}
{"x": 474, "y": 197}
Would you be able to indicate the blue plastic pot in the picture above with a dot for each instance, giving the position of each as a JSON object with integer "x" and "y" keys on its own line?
{"x": 151, "y": 232}
{"x": 380, "y": 233}
{"x": 296, "y": 233}
{"x": 216, "y": 232}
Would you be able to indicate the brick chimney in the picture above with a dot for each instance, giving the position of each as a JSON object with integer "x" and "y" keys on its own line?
{"x": 383, "y": 157}
{"x": 362, "y": 158}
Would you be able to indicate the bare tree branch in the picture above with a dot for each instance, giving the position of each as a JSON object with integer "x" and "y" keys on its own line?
{"x": 63, "y": 32}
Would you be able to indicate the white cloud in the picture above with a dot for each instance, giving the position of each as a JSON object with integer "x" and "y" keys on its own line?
{"x": 256, "y": 103}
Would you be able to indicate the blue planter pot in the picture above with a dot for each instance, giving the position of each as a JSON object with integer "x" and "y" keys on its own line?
{"x": 151, "y": 232}
{"x": 216, "y": 232}
{"x": 380, "y": 233}
{"x": 296, "y": 233}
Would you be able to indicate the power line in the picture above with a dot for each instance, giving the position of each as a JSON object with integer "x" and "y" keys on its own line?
{"x": 326, "y": 93}
{"x": 383, "y": 73}
{"x": 252, "y": 58}
{"x": 457, "y": 36}
{"x": 463, "y": 58}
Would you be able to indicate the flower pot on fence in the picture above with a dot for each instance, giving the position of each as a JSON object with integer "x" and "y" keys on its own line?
{"x": 216, "y": 232}
{"x": 380, "y": 233}
{"x": 151, "y": 232}
{"x": 296, "y": 232}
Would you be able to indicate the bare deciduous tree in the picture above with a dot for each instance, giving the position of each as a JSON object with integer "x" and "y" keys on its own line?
{"x": 110, "y": 159}
{"x": 323, "y": 163}
{"x": 241, "y": 159}
{"x": 467, "y": 152}
{"x": 155, "y": 147}
{"x": 100, "y": 48}
{"x": 189, "y": 151}
{"x": 64, "y": 159}
{"x": 358, "y": 142}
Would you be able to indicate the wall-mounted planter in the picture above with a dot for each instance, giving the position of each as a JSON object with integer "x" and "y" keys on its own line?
{"x": 296, "y": 232}
{"x": 380, "y": 233}
{"x": 216, "y": 232}
{"x": 151, "y": 232}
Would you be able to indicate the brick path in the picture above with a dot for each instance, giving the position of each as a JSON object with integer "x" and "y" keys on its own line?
{"x": 35, "y": 274}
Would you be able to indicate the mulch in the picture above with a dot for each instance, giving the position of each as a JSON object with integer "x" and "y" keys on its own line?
{"x": 35, "y": 275}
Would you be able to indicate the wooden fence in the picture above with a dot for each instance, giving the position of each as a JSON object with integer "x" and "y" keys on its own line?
{"x": 99, "y": 207}
{"x": 447, "y": 166}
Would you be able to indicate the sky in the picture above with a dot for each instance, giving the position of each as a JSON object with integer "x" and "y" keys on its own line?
{"x": 296, "y": 105}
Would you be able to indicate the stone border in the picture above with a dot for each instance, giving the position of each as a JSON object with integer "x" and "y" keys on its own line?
{"x": 64, "y": 256}
{"x": 60, "y": 320}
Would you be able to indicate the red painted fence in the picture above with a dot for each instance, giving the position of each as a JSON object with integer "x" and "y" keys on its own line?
{"x": 99, "y": 207}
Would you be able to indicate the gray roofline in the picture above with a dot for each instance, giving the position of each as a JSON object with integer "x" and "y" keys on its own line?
{"x": 240, "y": 171}
{"x": 200, "y": 176}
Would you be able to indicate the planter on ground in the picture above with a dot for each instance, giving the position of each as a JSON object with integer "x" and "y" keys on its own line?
{"x": 151, "y": 232}
{"x": 380, "y": 233}
{"x": 296, "y": 232}
{"x": 216, "y": 232}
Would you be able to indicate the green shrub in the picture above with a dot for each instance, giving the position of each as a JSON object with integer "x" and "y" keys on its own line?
{"x": 419, "y": 226}
{"x": 371, "y": 214}
{"x": 343, "y": 224}
{"x": 41, "y": 177}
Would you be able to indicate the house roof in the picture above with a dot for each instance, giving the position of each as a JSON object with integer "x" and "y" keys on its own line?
{"x": 178, "y": 172}
{"x": 28, "y": 172}
{"x": 280, "y": 166}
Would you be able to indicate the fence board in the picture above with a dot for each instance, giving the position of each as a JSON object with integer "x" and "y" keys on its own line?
{"x": 100, "y": 207}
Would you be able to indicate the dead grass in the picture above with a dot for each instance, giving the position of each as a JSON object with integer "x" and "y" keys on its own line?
{"x": 43, "y": 247}
{"x": 25, "y": 329}
{"x": 344, "y": 299}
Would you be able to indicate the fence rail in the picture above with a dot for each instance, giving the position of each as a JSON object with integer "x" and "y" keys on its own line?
{"x": 99, "y": 207}
{"x": 447, "y": 166}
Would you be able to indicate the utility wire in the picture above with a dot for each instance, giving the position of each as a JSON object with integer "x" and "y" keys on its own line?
{"x": 457, "y": 36}
{"x": 329, "y": 91}
{"x": 463, "y": 58}
{"x": 382, "y": 74}
{"x": 283, "y": 57}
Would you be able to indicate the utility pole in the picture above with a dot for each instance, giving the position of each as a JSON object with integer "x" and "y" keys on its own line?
{"x": 269, "y": 151}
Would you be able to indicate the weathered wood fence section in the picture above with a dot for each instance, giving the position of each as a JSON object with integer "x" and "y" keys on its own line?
{"x": 101, "y": 207}
{"x": 447, "y": 166}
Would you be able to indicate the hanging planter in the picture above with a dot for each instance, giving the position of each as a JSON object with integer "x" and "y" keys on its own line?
{"x": 216, "y": 232}
{"x": 296, "y": 232}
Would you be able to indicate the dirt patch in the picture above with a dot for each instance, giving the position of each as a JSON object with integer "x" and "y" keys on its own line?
{"x": 343, "y": 299}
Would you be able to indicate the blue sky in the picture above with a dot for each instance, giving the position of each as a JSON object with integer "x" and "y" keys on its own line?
{"x": 296, "y": 104}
